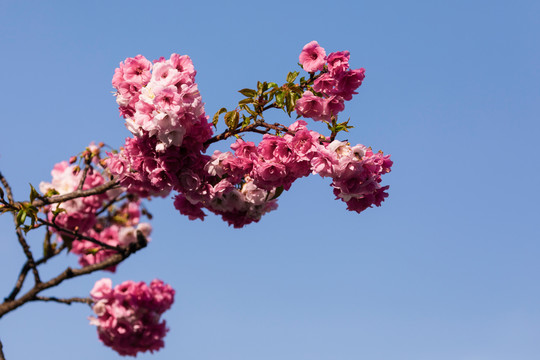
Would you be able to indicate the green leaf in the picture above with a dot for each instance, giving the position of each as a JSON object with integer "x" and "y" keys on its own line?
{"x": 261, "y": 87}
{"x": 216, "y": 116}
{"x": 215, "y": 119}
{"x": 21, "y": 217}
{"x": 92, "y": 251}
{"x": 245, "y": 121}
{"x": 58, "y": 211}
{"x": 280, "y": 96}
{"x": 245, "y": 101}
{"x": 51, "y": 192}
{"x": 297, "y": 89}
{"x": 292, "y": 76}
{"x": 272, "y": 85}
{"x": 291, "y": 101}
{"x": 249, "y": 110}
{"x": 33, "y": 194}
{"x": 231, "y": 119}
{"x": 248, "y": 92}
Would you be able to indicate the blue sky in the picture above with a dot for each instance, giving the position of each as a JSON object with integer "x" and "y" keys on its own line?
{"x": 446, "y": 269}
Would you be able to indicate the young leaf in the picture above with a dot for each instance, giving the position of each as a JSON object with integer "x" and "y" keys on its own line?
{"x": 231, "y": 119}
{"x": 280, "y": 96}
{"x": 245, "y": 101}
{"x": 248, "y": 92}
{"x": 215, "y": 119}
{"x": 33, "y": 194}
{"x": 21, "y": 217}
{"x": 292, "y": 76}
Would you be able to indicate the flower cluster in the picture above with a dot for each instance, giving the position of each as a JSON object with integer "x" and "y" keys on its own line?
{"x": 128, "y": 316}
{"x": 250, "y": 178}
{"x": 356, "y": 173}
{"x": 336, "y": 82}
{"x": 164, "y": 111}
{"x": 116, "y": 227}
{"x": 79, "y": 213}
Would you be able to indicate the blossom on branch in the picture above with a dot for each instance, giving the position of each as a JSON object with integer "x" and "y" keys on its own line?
{"x": 128, "y": 316}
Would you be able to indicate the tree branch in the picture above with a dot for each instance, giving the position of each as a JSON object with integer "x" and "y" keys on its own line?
{"x": 26, "y": 268}
{"x": 68, "y": 301}
{"x": 2, "y": 357}
{"x": 70, "y": 273}
{"x": 79, "y": 236}
{"x": 87, "y": 166}
{"x": 18, "y": 231}
{"x": 106, "y": 206}
{"x": 77, "y": 194}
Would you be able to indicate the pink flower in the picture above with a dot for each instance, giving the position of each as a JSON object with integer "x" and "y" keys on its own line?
{"x": 349, "y": 81}
{"x": 102, "y": 289}
{"x": 268, "y": 175}
{"x": 334, "y": 105}
{"x": 338, "y": 62}
{"x": 129, "y": 316}
{"x": 192, "y": 211}
{"x": 137, "y": 70}
{"x": 310, "y": 106}
{"x": 325, "y": 84}
{"x": 312, "y": 57}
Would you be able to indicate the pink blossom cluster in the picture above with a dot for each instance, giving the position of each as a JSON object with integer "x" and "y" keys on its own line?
{"x": 250, "y": 178}
{"x": 149, "y": 166}
{"x": 117, "y": 228}
{"x": 243, "y": 186}
{"x": 128, "y": 316}
{"x": 356, "y": 173}
{"x": 337, "y": 82}
{"x": 160, "y": 99}
{"x": 164, "y": 111}
{"x": 80, "y": 213}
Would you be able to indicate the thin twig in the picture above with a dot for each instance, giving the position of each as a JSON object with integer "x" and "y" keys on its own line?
{"x": 77, "y": 194}
{"x": 250, "y": 128}
{"x": 70, "y": 273}
{"x": 79, "y": 236}
{"x": 106, "y": 206}
{"x": 64, "y": 301}
{"x": 26, "y": 268}
{"x": 87, "y": 166}
{"x": 18, "y": 231}
{"x": 2, "y": 357}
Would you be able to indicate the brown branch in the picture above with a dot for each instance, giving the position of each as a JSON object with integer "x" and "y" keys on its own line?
{"x": 255, "y": 127}
{"x": 106, "y": 206}
{"x": 87, "y": 166}
{"x": 18, "y": 231}
{"x": 79, "y": 236}
{"x": 70, "y": 273}
{"x": 2, "y": 357}
{"x": 26, "y": 268}
{"x": 27, "y": 251}
{"x": 64, "y": 301}
{"x": 77, "y": 194}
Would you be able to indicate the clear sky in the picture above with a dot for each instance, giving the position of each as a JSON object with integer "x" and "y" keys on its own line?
{"x": 446, "y": 269}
